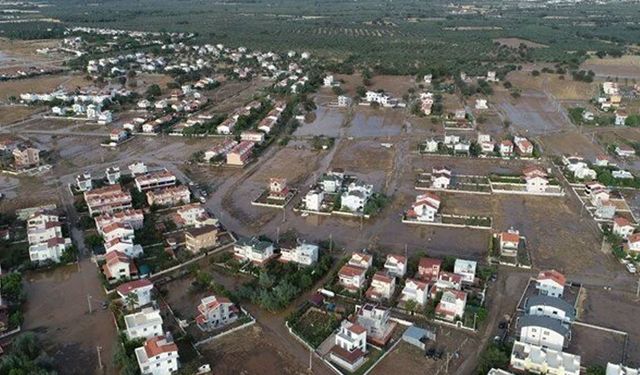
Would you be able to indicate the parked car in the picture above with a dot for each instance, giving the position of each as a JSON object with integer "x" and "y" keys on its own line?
{"x": 631, "y": 268}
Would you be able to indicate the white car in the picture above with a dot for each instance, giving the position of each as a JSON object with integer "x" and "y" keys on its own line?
{"x": 631, "y": 268}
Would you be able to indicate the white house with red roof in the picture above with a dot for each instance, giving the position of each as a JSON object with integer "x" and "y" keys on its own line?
{"x": 466, "y": 269}
{"x": 351, "y": 277}
{"x": 169, "y": 196}
{"x": 50, "y": 250}
{"x": 633, "y": 243}
{"x": 523, "y": 145}
{"x": 193, "y": 215}
{"x": 361, "y": 260}
{"x": 107, "y": 199}
{"x": 447, "y": 280}
{"x": 452, "y": 305}
{"x": 536, "y": 179}
{"x": 141, "y": 288}
{"x": 117, "y": 230}
{"x": 220, "y": 149}
{"x": 396, "y": 265}
{"x": 509, "y": 242}
{"x": 625, "y": 151}
{"x": 119, "y": 266}
{"x": 429, "y": 269}
{"x": 124, "y": 245}
{"x": 135, "y": 218}
{"x": 241, "y": 153}
{"x": 350, "y": 346}
{"x": 424, "y": 208}
{"x": 440, "y": 177}
{"x": 158, "y": 356}
{"x": 278, "y": 188}
{"x": 382, "y": 287}
{"x": 215, "y": 312}
{"x": 415, "y": 290}
{"x": 551, "y": 283}
{"x": 622, "y": 227}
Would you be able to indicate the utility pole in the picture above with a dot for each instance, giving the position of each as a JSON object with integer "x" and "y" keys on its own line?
{"x": 98, "y": 349}
{"x": 89, "y": 303}
{"x": 638, "y": 289}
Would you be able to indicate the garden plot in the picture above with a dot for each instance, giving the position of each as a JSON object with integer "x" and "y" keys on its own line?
{"x": 459, "y": 184}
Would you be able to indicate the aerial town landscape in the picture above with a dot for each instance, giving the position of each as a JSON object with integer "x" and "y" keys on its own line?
{"x": 293, "y": 187}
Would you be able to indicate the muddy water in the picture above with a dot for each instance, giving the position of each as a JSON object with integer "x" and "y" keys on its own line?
{"x": 534, "y": 114}
{"x": 366, "y": 125}
{"x": 327, "y": 121}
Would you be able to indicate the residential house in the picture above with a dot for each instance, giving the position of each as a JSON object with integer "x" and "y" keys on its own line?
{"x": 138, "y": 168}
{"x": 509, "y": 242}
{"x": 621, "y": 117}
{"x": 124, "y": 245}
{"x": 107, "y": 199}
{"x": 141, "y": 289}
{"x": 351, "y": 277}
{"x": 43, "y": 226}
{"x": 415, "y": 290}
{"x": 396, "y": 265}
{"x": 361, "y": 260}
{"x": 429, "y": 269}
{"x": 254, "y": 250}
{"x": 226, "y": 126}
{"x": 505, "y": 148}
{"x": 523, "y": 146}
{"x": 452, "y": 305}
{"x": 25, "y": 156}
{"x": 536, "y": 179}
{"x": 155, "y": 180}
{"x": 220, "y": 149}
{"x": 113, "y": 175}
{"x": 356, "y": 196}
{"x": 625, "y": 151}
{"x": 424, "y": 208}
{"x": 240, "y": 154}
{"x": 466, "y": 269}
{"x": 144, "y": 324}
{"x": 440, "y": 178}
{"x": 117, "y": 230}
{"x": 375, "y": 319}
{"x": 119, "y": 266}
{"x": 552, "y": 307}
{"x": 169, "y": 196}
{"x": 622, "y": 227}
{"x": 332, "y": 182}
{"x": 539, "y": 360}
{"x": 313, "y": 200}
{"x": 193, "y": 215}
{"x": 134, "y": 218}
{"x": 430, "y": 146}
{"x": 382, "y": 287}
{"x": 84, "y": 182}
{"x": 543, "y": 331}
{"x": 49, "y": 250}
{"x": 551, "y": 283}
{"x": 633, "y": 244}
{"x": 350, "y": 346}
{"x": 118, "y": 135}
{"x": 278, "y": 189}
{"x": 299, "y": 252}
{"x": 158, "y": 356}
{"x": 615, "y": 369}
{"x": 252, "y": 136}
{"x": 215, "y": 312}
{"x": 201, "y": 238}
{"x": 447, "y": 280}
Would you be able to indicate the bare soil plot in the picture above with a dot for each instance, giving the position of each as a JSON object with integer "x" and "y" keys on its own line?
{"x": 396, "y": 86}
{"x": 41, "y": 84}
{"x": 366, "y": 159}
{"x": 623, "y": 67}
{"x": 614, "y": 309}
{"x": 248, "y": 351}
{"x": 407, "y": 359}
{"x": 325, "y": 121}
{"x": 11, "y": 114}
{"x": 515, "y": 43}
{"x": 532, "y": 113}
{"x": 596, "y": 347}
{"x": 569, "y": 142}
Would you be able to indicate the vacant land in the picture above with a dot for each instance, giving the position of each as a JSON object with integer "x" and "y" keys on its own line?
{"x": 621, "y": 67}
{"x": 40, "y": 85}
{"x": 248, "y": 352}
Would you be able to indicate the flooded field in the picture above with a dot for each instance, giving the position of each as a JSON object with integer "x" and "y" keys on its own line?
{"x": 534, "y": 114}
{"x": 327, "y": 121}
{"x": 57, "y": 310}
{"x": 376, "y": 123}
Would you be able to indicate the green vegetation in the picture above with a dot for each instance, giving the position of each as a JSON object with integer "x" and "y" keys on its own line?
{"x": 496, "y": 355}
{"x": 277, "y": 284}
{"x": 312, "y": 325}
{"x": 26, "y": 356}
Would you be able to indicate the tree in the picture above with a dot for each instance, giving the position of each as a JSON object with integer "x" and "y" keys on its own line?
{"x": 595, "y": 370}
{"x": 361, "y": 91}
{"x": 494, "y": 356}
{"x": 475, "y": 149}
{"x": 131, "y": 300}
{"x": 153, "y": 91}
{"x": 411, "y": 306}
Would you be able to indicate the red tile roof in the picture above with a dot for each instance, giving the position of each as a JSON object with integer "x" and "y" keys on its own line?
{"x": 350, "y": 271}
{"x": 127, "y": 288}
{"x": 552, "y": 275}
{"x": 158, "y": 345}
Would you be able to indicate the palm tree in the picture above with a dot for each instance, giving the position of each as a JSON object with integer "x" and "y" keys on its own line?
{"x": 131, "y": 301}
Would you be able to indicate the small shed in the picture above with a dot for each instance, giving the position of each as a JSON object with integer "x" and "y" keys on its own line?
{"x": 418, "y": 336}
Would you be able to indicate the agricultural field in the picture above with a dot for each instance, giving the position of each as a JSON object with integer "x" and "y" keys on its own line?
{"x": 621, "y": 67}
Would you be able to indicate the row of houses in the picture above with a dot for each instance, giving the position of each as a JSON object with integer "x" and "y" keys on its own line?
{"x": 354, "y": 194}
{"x": 520, "y": 146}
{"x": 429, "y": 280}
{"x": 46, "y": 240}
